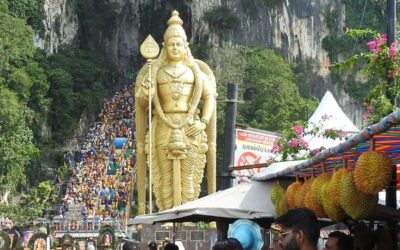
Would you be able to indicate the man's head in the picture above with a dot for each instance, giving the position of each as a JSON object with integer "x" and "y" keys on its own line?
{"x": 339, "y": 241}
{"x": 152, "y": 246}
{"x": 129, "y": 246}
{"x": 299, "y": 228}
{"x": 171, "y": 246}
{"x": 228, "y": 244}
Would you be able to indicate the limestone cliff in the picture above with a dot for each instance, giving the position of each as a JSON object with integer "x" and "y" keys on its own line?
{"x": 60, "y": 24}
{"x": 295, "y": 27}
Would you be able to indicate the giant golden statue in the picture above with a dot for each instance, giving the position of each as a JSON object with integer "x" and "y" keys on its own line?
{"x": 179, "y": 139}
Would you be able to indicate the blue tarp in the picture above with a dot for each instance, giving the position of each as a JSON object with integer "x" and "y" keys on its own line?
{"x": 119, "y": 142}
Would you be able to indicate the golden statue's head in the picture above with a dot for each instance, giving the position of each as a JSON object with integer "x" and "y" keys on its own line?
{"x": 175, "y": 28}
{"x": 176, "y": 47}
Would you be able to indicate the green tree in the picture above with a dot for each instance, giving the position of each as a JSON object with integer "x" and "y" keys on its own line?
{"x": 29, "y": 10}
{"x": 62, "y": 108}
{"x": 16, "y": 45}
{"x": 275, "y": 99}
{"x": 31, "y": 208}
{"x": 17, "y": 67}
{"x": 21, "y": 83}
{"x": 16, "y": 146}
{"x": 78, "y": 80}
{"x": 38, "y": 197}
{"x": 39, "y": 100}
{"x": 3, "y": 6}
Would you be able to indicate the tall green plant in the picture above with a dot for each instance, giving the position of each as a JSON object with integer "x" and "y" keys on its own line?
{"x": 275, "y": 98}
{"x": 16, "y": 146}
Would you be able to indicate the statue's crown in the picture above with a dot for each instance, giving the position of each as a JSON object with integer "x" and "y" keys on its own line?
{"x": 175, "y": 28}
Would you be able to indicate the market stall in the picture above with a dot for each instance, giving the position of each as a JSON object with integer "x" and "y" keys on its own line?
{"x": 343, "y": 182}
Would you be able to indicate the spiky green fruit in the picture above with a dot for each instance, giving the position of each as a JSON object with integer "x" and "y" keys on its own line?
{"x": 301, "y": 194}
{"x": 276, "y": 193}
{"x": 332, "y": 210}
{"x": 291, "y": 193}
{"x": 316, "y": 187}
{"x": 373, "y": 172}
{"x": 356, "y": 204}
{"x": 334, "y": 185}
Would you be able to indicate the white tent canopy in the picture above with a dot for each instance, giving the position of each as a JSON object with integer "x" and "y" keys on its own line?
{"x": 246, "y": 201}
{"x": 335, "y": 119}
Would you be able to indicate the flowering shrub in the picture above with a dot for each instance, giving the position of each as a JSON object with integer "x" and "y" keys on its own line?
{"x": 385, "y": 59}
{"x": 382, "y": 63}
{"x": 293, "y": 145}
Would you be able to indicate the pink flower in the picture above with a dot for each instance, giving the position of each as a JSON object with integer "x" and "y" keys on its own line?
{"x": 315, "y": 151}
{"x": 276, "y": 148}
{"x": 370, "y": 109}
{"x": 342, "y": 133}
{"x": 376, "y": 50}
{"x": 298, "y": 129}
{"x": 383, "y": 39}
{"x": 392, "y": 50}
{"x": 293, "y": 143}
{"x": 303, "y": 143}
{"x": 372, "y": 45}
{"x": 375, "y": 46}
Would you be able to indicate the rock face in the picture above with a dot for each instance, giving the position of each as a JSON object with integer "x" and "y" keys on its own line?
{"x": 133, "y": 20}
{"x": 60, "y": 24}
{"x": 295, "y": 27}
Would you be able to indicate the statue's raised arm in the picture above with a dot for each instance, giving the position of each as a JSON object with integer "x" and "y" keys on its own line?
{"x": 182, "y": 139}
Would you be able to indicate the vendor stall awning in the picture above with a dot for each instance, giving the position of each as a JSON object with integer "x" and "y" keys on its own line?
{"x": 245, "y": 201}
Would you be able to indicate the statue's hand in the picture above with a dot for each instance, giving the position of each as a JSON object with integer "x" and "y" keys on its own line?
{"x": 196, "y": 128}
{"x": 147, "y": 83}
{"x": 147, "y": 86}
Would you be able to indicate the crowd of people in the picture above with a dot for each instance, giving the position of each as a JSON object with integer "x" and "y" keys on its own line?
{"x": 298, "y": 229}
{"x": 101, "y": 179}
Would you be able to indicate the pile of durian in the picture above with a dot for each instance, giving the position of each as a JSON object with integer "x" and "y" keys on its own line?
{"x": 341, "y": 194}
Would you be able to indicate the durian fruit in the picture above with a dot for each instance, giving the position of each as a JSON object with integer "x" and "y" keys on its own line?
{"x": 334, "y": 211}
{"x": 276, "y": 193}
{"x": 281, "y": 206}
{"x": 356, "y": 204}
{"x": 316, "y": 186}
{"x": 291, "y": 192}
{"x": 334, "y": 185}
{"x": 316, "y": 206}
{"x": 373, "y": 172}
{"x": 301, "y": 194}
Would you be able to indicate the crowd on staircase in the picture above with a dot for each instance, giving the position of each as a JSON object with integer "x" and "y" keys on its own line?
{"x": 101, "y": 179}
